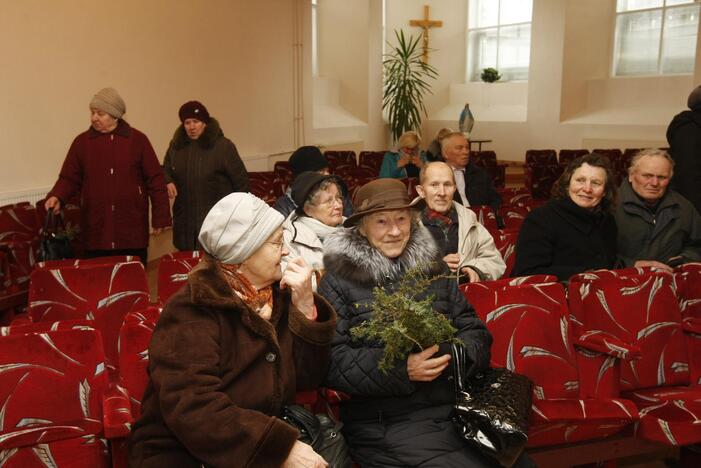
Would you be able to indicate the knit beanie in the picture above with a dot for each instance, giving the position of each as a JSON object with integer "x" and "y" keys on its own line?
{"x": 694, "y": 100}
{"x": 237, "y": 226}
{"x": 307, "y": 158}
{"x": 108, "y": 100}
{"x": 193, "y": 110}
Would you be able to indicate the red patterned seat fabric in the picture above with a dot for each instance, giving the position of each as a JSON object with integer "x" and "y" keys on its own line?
{"x": 18, "y": 222}
{"x": 532, "y": 336}
{"x": 505, "y": 241}
{"x": 80, "y": 262}
{"x": 642, "y": 311}
{"x": 101, "y": 293}
{"x": 173, "y": 270}
{"x": 51, "y": 389}
{"x": 688, "y": 279}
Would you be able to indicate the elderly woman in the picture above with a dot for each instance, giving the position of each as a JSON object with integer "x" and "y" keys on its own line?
{"x": 407, "y": 161}
{"x": 114, "y": 171}
{"x": 201, "y": 166}
{"x": 319, "y": 200}
{"x": 399, "y": 418}
{"x": 576, "y": 230}
{"x": 231, "y": 348}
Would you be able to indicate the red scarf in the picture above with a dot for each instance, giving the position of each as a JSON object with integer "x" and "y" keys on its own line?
{"x": 254, "y": 298}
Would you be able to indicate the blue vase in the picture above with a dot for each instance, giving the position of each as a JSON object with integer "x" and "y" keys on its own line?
{"x": 467, "y": 121}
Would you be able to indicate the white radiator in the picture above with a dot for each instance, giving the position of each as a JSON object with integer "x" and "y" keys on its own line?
{"x": 32, "y": 196}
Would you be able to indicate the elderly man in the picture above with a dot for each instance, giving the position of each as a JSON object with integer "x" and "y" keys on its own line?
{"x": 473, "y": 184}
{"x": 467, "y": 246}
{"x": 656, "y": 226}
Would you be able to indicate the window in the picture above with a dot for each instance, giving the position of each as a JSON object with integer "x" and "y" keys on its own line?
{"x": 655, "y": 37}
{"x": 499, "y": 36}
{"x": 315, "y": 40}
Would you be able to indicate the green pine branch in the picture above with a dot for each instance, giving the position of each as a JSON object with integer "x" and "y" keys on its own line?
{"x": 402, "y": 322}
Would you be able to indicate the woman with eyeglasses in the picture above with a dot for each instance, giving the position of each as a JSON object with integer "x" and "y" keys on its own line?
{"x": 231, "y": 348}
{"x": 407, "y": 161}
{"x": 319, "y": 200}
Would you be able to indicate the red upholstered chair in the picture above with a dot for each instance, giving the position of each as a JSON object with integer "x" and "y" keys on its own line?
{"x": 567, "y": 155}
{"x": 81, "y": 262}
{"x": 514, "y": 216}
{"x": 505, "y": 282}
{"x": 173, "y": 270}
{"x": 546, "y": 157}
{"x": 18, "y": 221}
{"x": 371, "y": 160}
{"x": 265, "y": 185}
{"x": 688, "y": 279}
{"x": 340, "y": 158}
{"x": 533, "y": 336}
{"x": 102, "y": 293}
{"x": 505, "y": 241}
{"x": 52, "y": 389}
{"x": 540, "y": 179}
{"x": 283, "y": 174}
{"x": 514, "y": 196}
{"x": 21, "y": 257}
{"x": 485, "y": 216}
{"x": 642, "y": 311}
{"x": 488, "y": 160}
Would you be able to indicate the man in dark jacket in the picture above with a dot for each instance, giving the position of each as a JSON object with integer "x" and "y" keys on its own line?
{"x": 684, "y": 137}
{"x": 474, "y": 185}
{"x": 202, "y": 166}
{"x": 656, "y": 226}
{"x": 305, "y": 159}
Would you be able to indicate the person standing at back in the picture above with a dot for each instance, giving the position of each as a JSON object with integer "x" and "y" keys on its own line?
{"x": 202, "y": 166}
{"x": 113, "y": 167}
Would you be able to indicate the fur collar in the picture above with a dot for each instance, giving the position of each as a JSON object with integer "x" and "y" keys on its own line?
{"x": 209, "y": 288}
{"x": 349, "y": 255}
{"x": 211, "y": 133}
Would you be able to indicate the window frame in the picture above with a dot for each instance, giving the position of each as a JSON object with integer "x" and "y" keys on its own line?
{"x": 498, "y": 28}
{"x": 664, "y": 8}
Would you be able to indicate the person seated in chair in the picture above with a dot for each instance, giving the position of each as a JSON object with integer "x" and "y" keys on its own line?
{"x": 474, "y": 185}
{"x": 406, "y": 161}
{"x": 309, "y": 158}
{"x": 657, "y": 227}
{"x": 433, "y": 152}
{"x": 467, "y": 246}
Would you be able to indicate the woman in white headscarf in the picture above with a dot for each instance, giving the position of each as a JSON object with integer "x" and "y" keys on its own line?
{"x": 222, "y": 364}
{"x": 319, "y": 212}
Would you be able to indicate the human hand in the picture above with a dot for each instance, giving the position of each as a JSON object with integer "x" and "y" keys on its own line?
{"x": 303, "y": 456}
{"x": 156, "y": 231}
{"x": 653, "y": 264}
{"x": 298, "y": 277}
{"x": 403, "y": 160}
{"x": 473, "y": 276}
{"x": 421, "y": 367}
{"x": 417, "y": 161}
{"x": 172, "y": 190}
{"x": 52, "y": 203}
{"x": 453, "y": 261}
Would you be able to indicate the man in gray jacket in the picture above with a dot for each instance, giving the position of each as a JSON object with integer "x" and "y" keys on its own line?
{"x": 656, "y": 226}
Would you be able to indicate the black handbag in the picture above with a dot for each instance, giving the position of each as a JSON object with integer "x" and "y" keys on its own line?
{"x": 491, "y": 409}
{"x": 55, "y": 244}
{"x": 321, "y": 432}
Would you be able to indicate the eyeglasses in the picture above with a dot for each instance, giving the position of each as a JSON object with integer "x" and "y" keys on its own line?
{"x": 331, "y": 201}
{"x": 277, "y": 245}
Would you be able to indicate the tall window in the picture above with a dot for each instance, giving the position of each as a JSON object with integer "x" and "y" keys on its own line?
{"x": 499, "y": 36}
{"x": 315, "y": 40}
{"x": 655, "y": 37}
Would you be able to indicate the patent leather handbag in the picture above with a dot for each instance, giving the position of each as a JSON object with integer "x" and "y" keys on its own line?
{"x": 55, "y": 244}
{"x": 321, "y": 432}
{"x": 491, "y": 409}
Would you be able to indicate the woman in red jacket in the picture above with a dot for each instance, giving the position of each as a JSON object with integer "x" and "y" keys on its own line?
{"x": 114, "y": 170}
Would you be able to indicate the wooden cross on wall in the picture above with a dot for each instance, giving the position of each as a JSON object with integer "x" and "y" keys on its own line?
{"x": 426, "y": 24}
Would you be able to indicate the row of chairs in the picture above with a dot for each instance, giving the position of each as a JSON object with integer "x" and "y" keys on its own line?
{"x": 618, "y": 351}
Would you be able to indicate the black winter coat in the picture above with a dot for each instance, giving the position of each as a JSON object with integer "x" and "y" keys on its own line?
{"x": 353, "y": 268}
{"x": 480, "y": 188}
{"x": 562, "y": 239}
{"x": 203, "y": 171}
{"x": 684, "y": 137}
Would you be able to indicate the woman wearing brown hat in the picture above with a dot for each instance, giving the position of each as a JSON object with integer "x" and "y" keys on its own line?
{"x": 319, "y": 200}
{"x": 201, "y": 167}
{"x": 399, "y": 418}
{"x": 113, "y": 169}
{"x": 231, "y": 348}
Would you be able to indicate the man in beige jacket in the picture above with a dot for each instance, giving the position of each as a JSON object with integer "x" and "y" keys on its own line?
{"x": 468, "y": 247}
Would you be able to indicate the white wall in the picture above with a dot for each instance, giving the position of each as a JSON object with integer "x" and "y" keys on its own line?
{"x": 234, "y": 56}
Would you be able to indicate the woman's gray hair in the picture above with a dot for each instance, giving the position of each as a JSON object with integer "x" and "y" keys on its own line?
{"x": 313, "y": 197}
{"x": 652, "y": 152}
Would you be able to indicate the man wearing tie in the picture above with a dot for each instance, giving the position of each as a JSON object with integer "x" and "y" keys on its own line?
{"x": 473, "y": 184}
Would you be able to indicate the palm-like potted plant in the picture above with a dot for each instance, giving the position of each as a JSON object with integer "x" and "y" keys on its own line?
{"x": 406, "y": 83}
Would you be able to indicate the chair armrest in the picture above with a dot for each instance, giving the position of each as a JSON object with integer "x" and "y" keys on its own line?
{"x": 116, "y": 412}
{"x": 599, "y": 356}
{"x": 600, "y": 341}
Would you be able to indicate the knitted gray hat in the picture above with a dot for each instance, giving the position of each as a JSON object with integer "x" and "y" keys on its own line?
{"x": 108, "y": 100}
